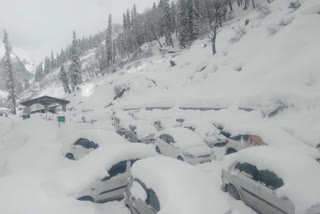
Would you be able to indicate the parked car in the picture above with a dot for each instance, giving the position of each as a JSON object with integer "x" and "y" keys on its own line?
{"x": 208, "y": 132}
{"x": 111, "y": 186}
{"x": 239, "y": 142}
{"x": 184, "y": 145}
{"x": 166, "y": 185}
{"x": 273, "y": 181}
{"x": 81, "y": 148}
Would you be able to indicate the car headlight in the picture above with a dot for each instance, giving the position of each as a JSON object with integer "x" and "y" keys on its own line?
{"x": 189, "y": 155}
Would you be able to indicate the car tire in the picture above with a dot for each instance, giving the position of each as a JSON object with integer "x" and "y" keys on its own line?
{"x": 233, "y": 192}
{"x": 180, "y": 158}
{"x": 158, "y": 150}
{"x": 230, "y": 151}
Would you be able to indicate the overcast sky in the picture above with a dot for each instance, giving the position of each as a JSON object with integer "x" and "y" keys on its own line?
{"x": 39, "y": 26}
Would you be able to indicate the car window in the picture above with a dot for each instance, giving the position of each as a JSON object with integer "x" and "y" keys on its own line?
{"x": 133, "y": 161}
{"x": 270, "y": 179}
{"x": 248, "y": 170}
{"x": 87, "y": 144}
{"x": 153, "y": 201}
{"x": 167, "y": 138}
{"x": 118, "y": 168}
{"x": 240, "y": 137}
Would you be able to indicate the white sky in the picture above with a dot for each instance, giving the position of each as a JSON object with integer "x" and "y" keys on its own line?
{"x": 39, "y": 26}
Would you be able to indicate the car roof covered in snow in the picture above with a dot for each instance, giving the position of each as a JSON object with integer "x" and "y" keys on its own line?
{"x": 300, "y": 173}
{"x": 171, "y": 180}
{"x": 183, "y": 137}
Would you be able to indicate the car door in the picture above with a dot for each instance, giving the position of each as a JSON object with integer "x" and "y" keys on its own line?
{"x": 245, "y": 180}
{"x": 139, "y": 197}
{"x": 113, "y": 186}
{"x": 269, "y": 202}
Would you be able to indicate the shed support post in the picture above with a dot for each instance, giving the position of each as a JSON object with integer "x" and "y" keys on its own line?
{"x": 27, "y": 110}
{"x": 64, "y": 107}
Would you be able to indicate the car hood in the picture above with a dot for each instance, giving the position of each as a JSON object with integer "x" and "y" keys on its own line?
{"x": 198, "y": 150}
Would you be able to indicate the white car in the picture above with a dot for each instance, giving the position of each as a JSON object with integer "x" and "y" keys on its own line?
{"x": 166, "y": 185}
{"x": 111, "y": 186}
{"x": 273, "y": 181}
{"x": 184, "y": 145}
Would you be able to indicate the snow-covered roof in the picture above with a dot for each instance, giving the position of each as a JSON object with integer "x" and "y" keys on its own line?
{"x": 180, "y": 187}
{"x": 300, "y": 173}
{"x": 183, "y": 137}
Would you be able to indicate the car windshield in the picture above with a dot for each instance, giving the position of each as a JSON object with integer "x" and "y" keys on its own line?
{"x": 240, "y": 137}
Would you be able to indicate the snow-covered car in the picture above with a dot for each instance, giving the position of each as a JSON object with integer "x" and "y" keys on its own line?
{"x": 208, "y": 132}
{"x": 184, "y": 145}
{"x": 273, "y": 181}
{"x": 111, "y": 187}
{"x": 318, "y": 146}
{"x": 81, "y": 148}
{"x": 165, "y": 185}
{"x": 239, "y": 142}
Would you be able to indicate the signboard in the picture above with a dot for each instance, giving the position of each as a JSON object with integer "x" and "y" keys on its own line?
{"x": 61, "y": 119}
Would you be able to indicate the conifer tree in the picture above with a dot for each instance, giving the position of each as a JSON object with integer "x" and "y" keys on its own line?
{"x": 183, "y": 23}
{"x": 76, "y": 77}
{"x": 10, "y": 83}
{"x": 39, "y": 72}
{"x": 109, "y": 42}
{"x": 64, "y": 80}
{"x": 166, "y": 21}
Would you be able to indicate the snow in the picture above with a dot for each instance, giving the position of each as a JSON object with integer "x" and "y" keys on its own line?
{"x": 171, "y": 180}
{"x": 35, "y": 174}
{"x": 300, "y": 173}
{"x": 273, "y": 63}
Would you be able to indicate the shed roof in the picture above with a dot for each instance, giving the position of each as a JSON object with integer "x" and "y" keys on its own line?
{"x": 45, "y": 100}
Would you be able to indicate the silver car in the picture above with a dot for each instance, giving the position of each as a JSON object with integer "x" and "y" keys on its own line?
{"x": 111, "y": 187}
{"x": 256, "y": 188}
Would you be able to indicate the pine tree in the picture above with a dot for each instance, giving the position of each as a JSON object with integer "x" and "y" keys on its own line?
{"x": 76, "y": 78}
{"x": 183, "y": 23}
{"x": 39, "y": 72}
{"x": 10, "y": 84}
{"x": 193, "y": 22}
{"x": 173, "y": 17}
{"x": 52, "y": 61}
{"x": 109, "y": 42}
{"x": 64, "y": 80}
{"x": 166, "y": 21}
{"x": 47, "y": 66}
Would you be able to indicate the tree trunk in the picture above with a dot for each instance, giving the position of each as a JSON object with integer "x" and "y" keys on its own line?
{"x": 246, "y": 4}
{"x": 213, "y": 42}
{"x": 253, "y": 4}
{"x": 230, "y": 5}
{"x": 156, "y": 37}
